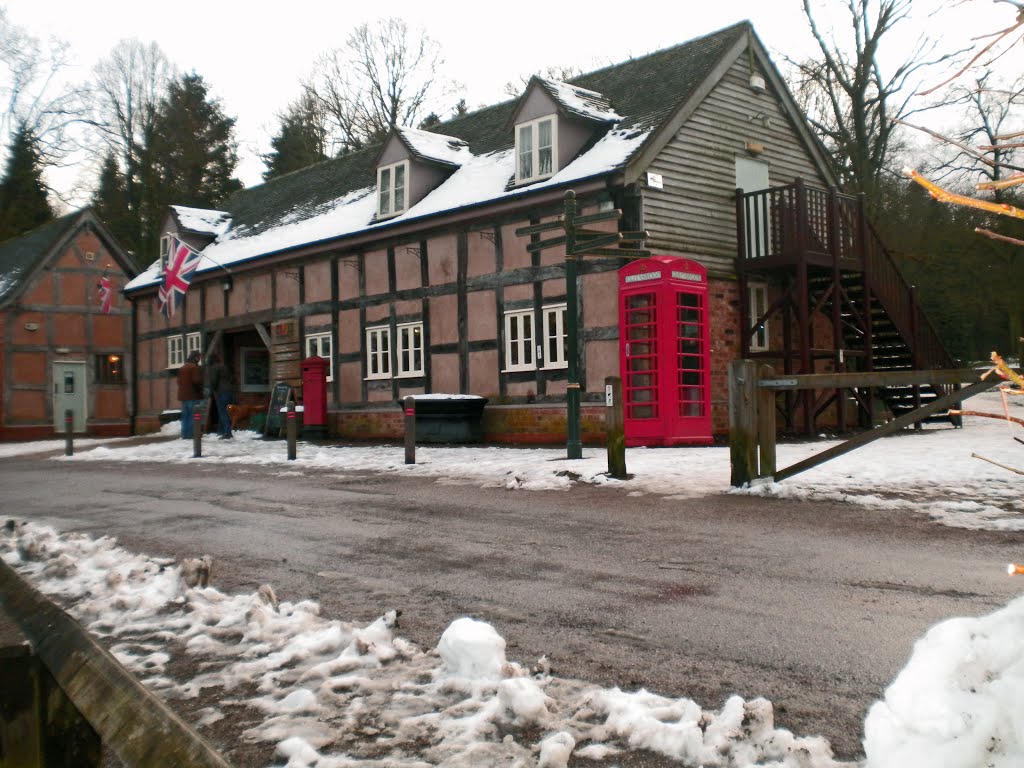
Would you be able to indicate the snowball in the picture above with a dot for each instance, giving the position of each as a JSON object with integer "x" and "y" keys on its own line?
{"x": 555, "y": 751}
{"x": 523, "y": 700}
{"x": 472, "y": 649}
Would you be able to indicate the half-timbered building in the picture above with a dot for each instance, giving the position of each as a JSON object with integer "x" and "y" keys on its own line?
{"x": 421, "y": 266}
{"x": 65, "y": 331}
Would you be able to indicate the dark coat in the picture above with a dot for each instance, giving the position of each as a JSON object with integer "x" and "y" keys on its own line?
{"x": 219, "y": 379}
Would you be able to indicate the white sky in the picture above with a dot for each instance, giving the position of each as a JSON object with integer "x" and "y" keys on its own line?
{"x": 958, "y": 703}
{"x": 254, "y": 54}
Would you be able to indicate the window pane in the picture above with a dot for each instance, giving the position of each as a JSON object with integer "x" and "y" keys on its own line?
{"x": 526, "y": 152}
{"x": 384, "y": 191}
{"x": 545, "y": 153}
{"x": 399, "y": 188}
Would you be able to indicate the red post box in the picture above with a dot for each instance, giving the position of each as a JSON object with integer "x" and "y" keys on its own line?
{"x": 314, "y": 394}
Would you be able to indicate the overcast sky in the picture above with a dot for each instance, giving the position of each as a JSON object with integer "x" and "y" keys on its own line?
{"x": 253, "y": 54}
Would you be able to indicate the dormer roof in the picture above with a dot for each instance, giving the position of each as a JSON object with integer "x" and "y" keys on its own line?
{"x": 576, "y": 101}
{"x": 201, "y": 221}
{"x": 434, "y": 147}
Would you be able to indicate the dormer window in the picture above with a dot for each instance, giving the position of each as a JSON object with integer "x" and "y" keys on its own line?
{"x": 391, "y": 186}
{"x": 535, "y": 149}
{"x": 165, "y": 248}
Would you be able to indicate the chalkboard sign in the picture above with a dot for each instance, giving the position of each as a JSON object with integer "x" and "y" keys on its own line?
{"x": 279, "y": 398}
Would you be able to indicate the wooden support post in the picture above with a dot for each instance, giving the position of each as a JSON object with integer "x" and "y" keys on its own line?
{"x": 69, "y": 432}
{"x": 615, "y": 426}
{"x": 766, "y": 425}
{"x": 742, "y": 421}
{"x": 291, "y": 430}
{"x": 131, "y": 720}
{"x": 197, "y": 434}
{"x": 410, "y": 429}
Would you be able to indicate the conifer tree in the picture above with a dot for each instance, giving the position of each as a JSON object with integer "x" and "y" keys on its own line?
{"x": 189, "y": 156}
{"x": 111, "y": 203}
{"x": 23, "y": 201}
{"x": 301, "y": 140}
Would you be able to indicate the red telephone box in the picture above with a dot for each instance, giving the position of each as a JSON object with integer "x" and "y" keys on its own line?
{"x": 665, "y": 352}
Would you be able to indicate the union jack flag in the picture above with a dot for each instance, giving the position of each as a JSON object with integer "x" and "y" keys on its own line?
{"x": 105, "y": 294}
{"x": 181, "y": 265}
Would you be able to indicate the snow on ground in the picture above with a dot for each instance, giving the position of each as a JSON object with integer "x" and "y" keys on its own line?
{"x": 931, "y": 471}
{"x": 337, "y": 694}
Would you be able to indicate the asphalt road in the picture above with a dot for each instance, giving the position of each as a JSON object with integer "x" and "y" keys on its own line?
{"x": 815, "y": 606}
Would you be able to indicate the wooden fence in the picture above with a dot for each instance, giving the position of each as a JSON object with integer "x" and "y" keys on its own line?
{"x": 752, "y": 430}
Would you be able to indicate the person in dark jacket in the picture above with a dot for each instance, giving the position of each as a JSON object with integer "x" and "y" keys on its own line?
{"x": 190, "y": 391}
{"x": 219, "y": 382}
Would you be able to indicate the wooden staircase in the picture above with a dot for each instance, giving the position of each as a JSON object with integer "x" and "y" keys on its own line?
{"x": 816, "y": 248}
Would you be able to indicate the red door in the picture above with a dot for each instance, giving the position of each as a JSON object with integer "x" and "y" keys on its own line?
{"x": 664, "y": 348}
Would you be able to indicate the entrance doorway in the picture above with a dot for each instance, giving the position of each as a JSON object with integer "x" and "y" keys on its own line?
{"x": 69, "y": 393}
{"x": 664, "y": 352}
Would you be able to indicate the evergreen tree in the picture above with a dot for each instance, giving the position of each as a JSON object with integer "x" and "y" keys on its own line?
{"x": 23, "y": 202}
{"x": 189, "y": 155}
{"x": 301, "y": 140}
{"x": 111, "y": 203}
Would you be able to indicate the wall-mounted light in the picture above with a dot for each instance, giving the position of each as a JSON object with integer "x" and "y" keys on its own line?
{"x": 31, "y": 326}
{"x": 754, "y": 147}
{"x": 226, "y": 282}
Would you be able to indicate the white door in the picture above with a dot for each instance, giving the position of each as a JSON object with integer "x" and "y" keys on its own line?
{"x": 752, "y": 176}
{"x": 69, "y": 394}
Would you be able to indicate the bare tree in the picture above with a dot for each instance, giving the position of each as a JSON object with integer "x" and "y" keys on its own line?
{"x": 31, "y": 92}
{"x": 848, "y": 99}
{"x": 514, "y": 88}
{"x": 385, "y": 75}
{"x": 129, "y": 85}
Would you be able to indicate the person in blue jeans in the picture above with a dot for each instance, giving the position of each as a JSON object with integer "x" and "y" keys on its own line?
{"x": 190, "y": 391}
{"x": 219, "y": 382}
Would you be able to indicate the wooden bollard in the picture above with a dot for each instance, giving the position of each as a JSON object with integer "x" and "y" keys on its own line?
{"x": 615, "y": 427}
{"x": 409, "y": 410}
{"x": 197, "y": 435}
{"x": 69, "y": 432}
{"x": 291, "y": 431}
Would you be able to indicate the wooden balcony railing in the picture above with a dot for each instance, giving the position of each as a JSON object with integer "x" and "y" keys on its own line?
{"x": 786, "y": 226}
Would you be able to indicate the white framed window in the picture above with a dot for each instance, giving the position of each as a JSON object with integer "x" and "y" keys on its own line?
{"x": 165, "y": 248}
{"x": 410, "y": 349}
{"x": 175, "y": 351}
{"x": 555, "y": 340}
{"x": 757, "y": 301}
{"x": 536, "y": 149}
{"x": 319, "y": 344}
{"x": 519, "y": 341}
{"x": 378, "y": 352}
{"x": 392, "y": 181}
{"x": 193, "y": 343}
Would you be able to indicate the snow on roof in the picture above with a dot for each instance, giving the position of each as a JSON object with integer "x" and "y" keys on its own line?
{"x": 202, "y": 220}
{"x": 581, "y": 101}
{"x": 436, "y": 146}
{"x": 480, "y": 179}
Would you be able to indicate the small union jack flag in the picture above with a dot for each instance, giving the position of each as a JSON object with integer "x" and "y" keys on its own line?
{"x": 181, "y": 265}
{"x": 105, "y": 294}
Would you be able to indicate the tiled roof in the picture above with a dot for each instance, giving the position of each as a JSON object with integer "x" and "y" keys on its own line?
{"x": 19, "y": 255}
{"x": 643, "y": 92}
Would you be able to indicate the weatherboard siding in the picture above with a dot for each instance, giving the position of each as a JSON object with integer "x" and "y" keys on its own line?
{"x": 695, "y": 213}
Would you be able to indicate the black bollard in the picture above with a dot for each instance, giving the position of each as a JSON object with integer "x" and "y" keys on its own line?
{"x": 197, "y": 436}
{"x": 291, "y": 430}
{"x": 410, "y": 429}
{"x": 69, "y": 432}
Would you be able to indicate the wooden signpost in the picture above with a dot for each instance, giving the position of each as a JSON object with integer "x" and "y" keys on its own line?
{"x": 577, "y": 242}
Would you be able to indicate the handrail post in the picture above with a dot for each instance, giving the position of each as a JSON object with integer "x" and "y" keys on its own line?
{"x": 766, "y": 438}
{"x": 838, "y": 339}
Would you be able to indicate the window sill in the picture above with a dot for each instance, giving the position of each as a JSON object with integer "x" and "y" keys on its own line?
{"x": 410, "y": 375}
{"x": 524, "y": 369}
{"x": 558, "y": 367}
{"x": 532, "y": 180}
